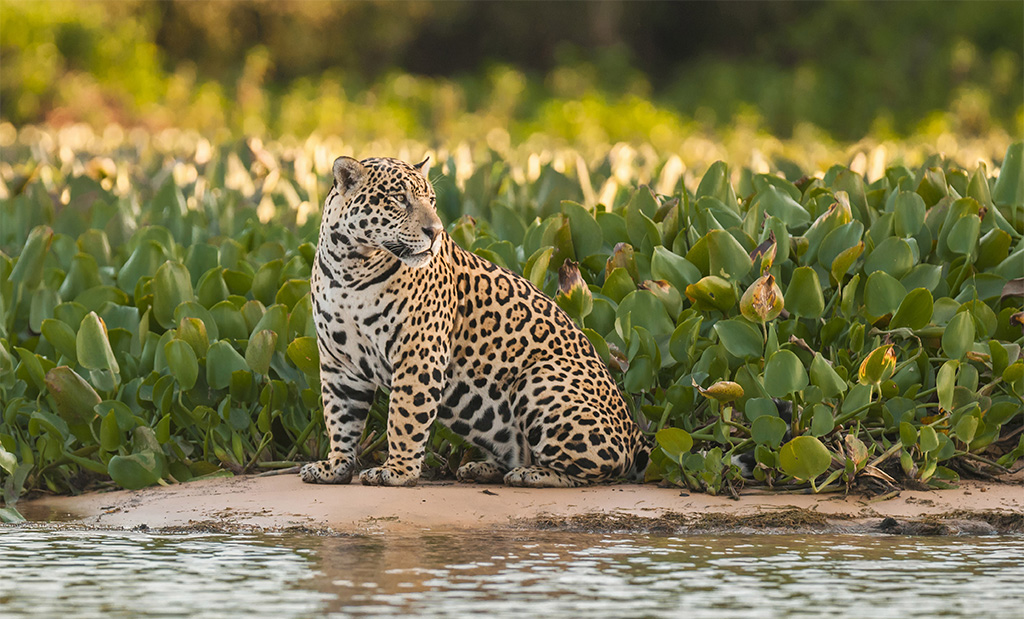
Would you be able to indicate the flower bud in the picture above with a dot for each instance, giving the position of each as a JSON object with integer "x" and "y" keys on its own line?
{"x": 762, "y": 301}
{"x": 723, "y": 391}
{"x": 878, "y": 365}
{"x": 622, "y": 257}
{"x": 573, "y": 293}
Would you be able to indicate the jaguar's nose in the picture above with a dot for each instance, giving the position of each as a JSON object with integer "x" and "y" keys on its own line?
{"x": 432, "y": 232}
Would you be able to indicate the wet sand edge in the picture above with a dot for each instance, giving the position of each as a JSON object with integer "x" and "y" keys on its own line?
{"x": 284, "y": 503}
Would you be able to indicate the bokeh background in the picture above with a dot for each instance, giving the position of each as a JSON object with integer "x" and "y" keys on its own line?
{"x": 497, "y": 74}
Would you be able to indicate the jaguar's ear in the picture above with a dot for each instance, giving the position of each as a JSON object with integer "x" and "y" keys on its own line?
{"x": 348, "y": 173}
{"x": 423, "y": 167}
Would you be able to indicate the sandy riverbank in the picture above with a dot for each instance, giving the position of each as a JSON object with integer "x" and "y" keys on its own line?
{"x": 283, "y": 502}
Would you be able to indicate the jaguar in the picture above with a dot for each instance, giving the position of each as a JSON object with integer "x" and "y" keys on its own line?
{"x": 456, "y": 339}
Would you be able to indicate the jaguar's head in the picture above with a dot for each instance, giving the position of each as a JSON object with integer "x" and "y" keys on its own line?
{"x": 384, "y": 203}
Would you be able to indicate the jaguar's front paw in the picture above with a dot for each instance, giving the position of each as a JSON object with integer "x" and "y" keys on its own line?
{"x": 480, "y": 472}
{"x": 332, "y": 471}
{"x": 388, "y": 476}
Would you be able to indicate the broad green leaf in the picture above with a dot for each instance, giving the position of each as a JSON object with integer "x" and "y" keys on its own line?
{"x": 784, "y": 374}
{"x": 1009, "y": 187}
{"x": 673, "y": 268}
{"x": 838, "y": 213}
{"x": 110, "y": 432}
{"x": 28, "y": 269}
{"x": 144, "y": 262}
{"x": 201, "y": 258}
{"x": 212, "y": 288}
{"x": 507, "y": 223}
{"x": 304, "y": 354}
{"x": 260, "y": 350}
{"x": 640, "y": 375}
{"x": 221, "y": 360}
{"x": 274, "y": 319}
{"x": 966, "y": 428}
{"x": 618, "y": 285}
{"x": 181, "y": 360}
{"x": 675, "y": 441}
{"x": 646, "y": 310}
{"x": 756, "y": 407}
{"x": 908, "y": 434}
{"x": 230, "y": 321}
{"x": 715, "y": 183}
{"x": 711, "y": 293}
{"x": 33, "y": 367}
{"x": 666, "y": 293}
{"x": 172, "y": 285}
{"x": 893, "y": 256}
{"x": 740, "y": 338}
{"x": 291, "y": 292}
{"x": 193, "y": 332}
{"x": 804, "y": 457}
{"x": 599, "y": 344}
{"x": 846, "y": 259}
{"x": 909, "y": 212}
{"x": 933, "y": 186}
{"x": 803, "y": 296}
{"x": 994, "y": 248}
{"x": 93, "y": 345}
{"x": 929, "y": 440}
{"x": 536, "y": 269}
{"x": 267, "y": 281}
{"x": 83, "y": 275}
{"x": 587, "y": 238}
{"x": 822, "y": 421}
{"x": 963, "y": 236}
{"x": 62, "y": 337}
{"x": 958, "y": 337}
{"x": 883, "y": 294}
{"x": 43, "y": 303}
{"x": 915, "y": 310}
{"x": 137, "y": 470}
{"x": 838, "y": 241}
{"x": 783, "y": 206}
{"x": 923, "y": 276}
{"x": 75, "y": 398}
{"x": 945, "y": 382}
{"x": 768, "y": 430}
{"x": 726, "y": 257}
{"x": 824, "y": 376}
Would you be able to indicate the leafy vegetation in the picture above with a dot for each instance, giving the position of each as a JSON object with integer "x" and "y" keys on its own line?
{"x": 156, "y": 323}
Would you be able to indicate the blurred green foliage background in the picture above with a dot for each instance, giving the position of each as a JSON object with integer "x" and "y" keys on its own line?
{"x": 440, "y": 72}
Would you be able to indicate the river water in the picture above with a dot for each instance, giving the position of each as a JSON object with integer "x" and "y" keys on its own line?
{"x": 86, "y": 574}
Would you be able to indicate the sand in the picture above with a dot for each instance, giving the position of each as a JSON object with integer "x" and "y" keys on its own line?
{"x": 283, "y": 502}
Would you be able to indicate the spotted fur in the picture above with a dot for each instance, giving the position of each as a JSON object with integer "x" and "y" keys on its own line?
{"x": 458, "y": 340}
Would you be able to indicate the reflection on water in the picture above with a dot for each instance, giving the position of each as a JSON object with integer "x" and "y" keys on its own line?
{"x": 119, "y": 574}
{"x": 116, "y": 574}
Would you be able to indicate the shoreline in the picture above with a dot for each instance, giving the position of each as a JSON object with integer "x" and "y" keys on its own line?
{"x": 283, "y": 503}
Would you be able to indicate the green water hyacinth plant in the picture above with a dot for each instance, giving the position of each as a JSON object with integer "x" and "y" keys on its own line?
{"x": 828, "y": 328}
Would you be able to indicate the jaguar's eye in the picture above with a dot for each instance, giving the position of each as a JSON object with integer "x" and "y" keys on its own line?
{"x": 401, "y": 199}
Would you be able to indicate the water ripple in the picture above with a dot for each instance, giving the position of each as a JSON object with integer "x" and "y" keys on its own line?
{"x": 115, "y": 574}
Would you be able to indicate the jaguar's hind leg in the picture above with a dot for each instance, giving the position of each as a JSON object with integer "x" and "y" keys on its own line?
{"x": 480, "y": 472}
{"x": 540, "y": 477}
